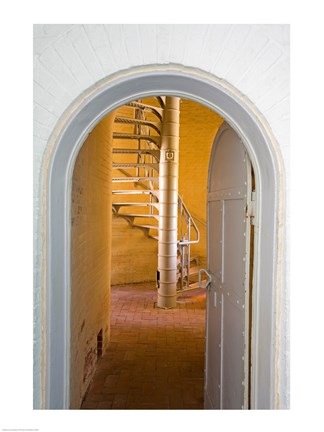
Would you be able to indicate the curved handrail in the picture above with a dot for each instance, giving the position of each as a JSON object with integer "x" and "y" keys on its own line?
{"x": 190, "y": 222}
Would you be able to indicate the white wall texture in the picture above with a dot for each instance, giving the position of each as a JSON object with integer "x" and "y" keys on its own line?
{"x": 68, "y": 59}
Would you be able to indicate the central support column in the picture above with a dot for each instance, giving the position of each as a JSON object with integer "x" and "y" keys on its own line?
{"x": 168, "y": 204}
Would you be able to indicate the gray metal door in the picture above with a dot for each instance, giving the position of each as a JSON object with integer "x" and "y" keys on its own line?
{"x": 227, "y": 328}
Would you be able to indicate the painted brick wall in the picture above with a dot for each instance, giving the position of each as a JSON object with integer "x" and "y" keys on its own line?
{"x": 71, "y": 58}
{"x": 134, "y": 254}
{"x": 90, "y": 255}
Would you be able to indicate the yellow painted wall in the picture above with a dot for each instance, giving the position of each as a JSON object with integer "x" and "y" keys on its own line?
{"x": 134, "y": 256}
{"x": 198, "y": 128}
{"x": 91, "y": 253}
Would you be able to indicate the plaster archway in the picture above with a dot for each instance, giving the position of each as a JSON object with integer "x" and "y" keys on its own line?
{"x": 80, "y": 119}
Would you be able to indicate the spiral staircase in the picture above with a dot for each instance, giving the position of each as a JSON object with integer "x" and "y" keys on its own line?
{"x": 136, "y": 156}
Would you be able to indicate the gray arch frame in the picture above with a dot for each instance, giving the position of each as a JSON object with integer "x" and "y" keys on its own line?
{"x": 106, "y": 97}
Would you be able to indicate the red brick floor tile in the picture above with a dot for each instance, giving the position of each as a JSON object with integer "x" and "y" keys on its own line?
{"x": 105, "y": 405}
{"x": 120, "y": 401}
{"x": 90, "y": 405}
{"x": 155, "y": 359}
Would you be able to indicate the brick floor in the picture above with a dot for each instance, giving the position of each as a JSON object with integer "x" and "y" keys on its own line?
{"x": 155, "y": 359}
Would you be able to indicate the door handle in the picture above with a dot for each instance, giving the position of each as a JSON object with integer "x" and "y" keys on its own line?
{"x": 209, "y": 278}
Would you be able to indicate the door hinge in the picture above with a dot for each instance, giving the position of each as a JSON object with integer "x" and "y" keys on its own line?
{"x": 250, "y": 208}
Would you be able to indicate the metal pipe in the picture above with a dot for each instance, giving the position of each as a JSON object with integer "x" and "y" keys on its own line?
{"x": 168, "y": 204}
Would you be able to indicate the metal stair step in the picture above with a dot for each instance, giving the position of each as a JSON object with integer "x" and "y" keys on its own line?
{"x": 154, "y": 153}
{"x": 155, "y": 227}
{"x": 128, "y": 120}
{"x": 194, "y": 270}
{"x": 155, "y": 166}
{"x": 154, "y": 139}
{"x": 134, "y": 179}
{"x": 185, "y": 273}
{"x": 194, "y": 259}
{"x": 135, "y": 192}
{"x": 135, "y": 204}
{"x": 139, "y": 215}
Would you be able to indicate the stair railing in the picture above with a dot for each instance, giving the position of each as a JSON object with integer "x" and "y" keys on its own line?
{"x": 185, "y": 242}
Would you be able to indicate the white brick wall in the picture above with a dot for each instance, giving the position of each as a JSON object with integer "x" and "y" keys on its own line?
{"x": 71, "y": 58}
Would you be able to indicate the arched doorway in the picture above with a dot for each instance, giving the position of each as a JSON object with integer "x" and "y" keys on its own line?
{"x": 105, "y": 98}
